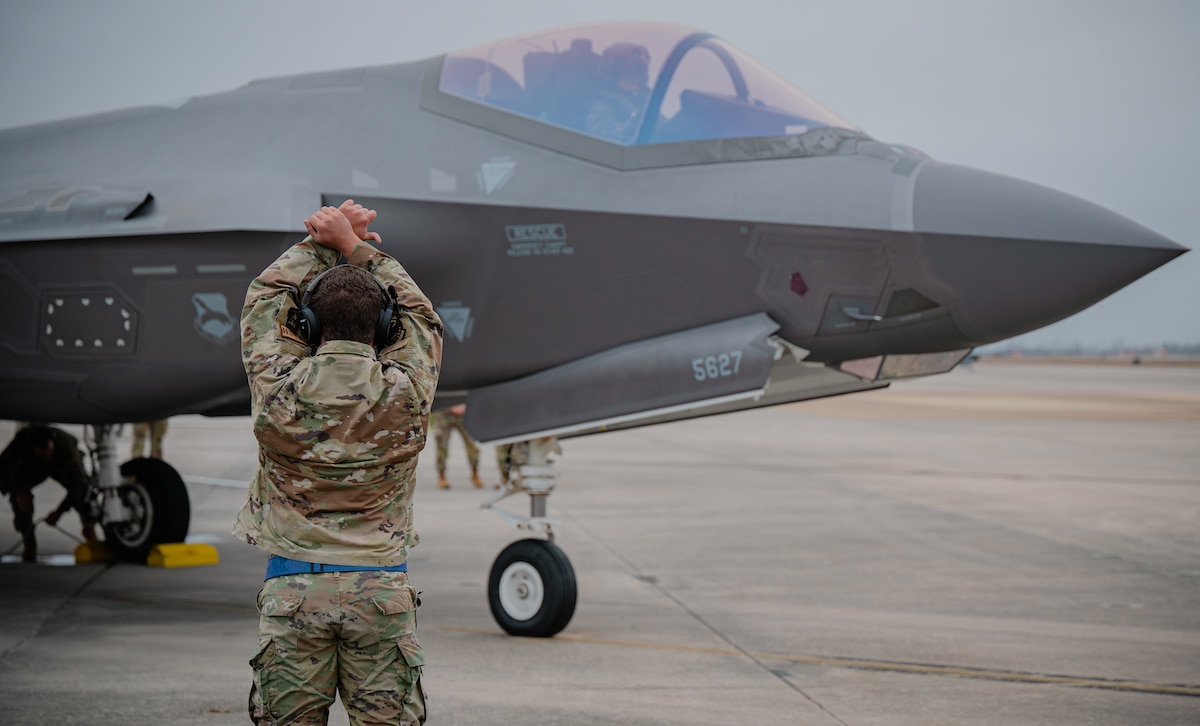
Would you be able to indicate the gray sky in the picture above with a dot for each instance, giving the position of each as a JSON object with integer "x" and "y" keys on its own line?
{"x": 1097, "y": 98}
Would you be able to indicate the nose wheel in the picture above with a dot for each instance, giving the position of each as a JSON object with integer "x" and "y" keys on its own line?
{"x": 531, "y": 589}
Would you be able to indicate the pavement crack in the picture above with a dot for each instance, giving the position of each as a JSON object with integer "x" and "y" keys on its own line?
{"x": 780, "y": 676}
{"x": 41, "y": 625}
{"x": 653, "y": 582}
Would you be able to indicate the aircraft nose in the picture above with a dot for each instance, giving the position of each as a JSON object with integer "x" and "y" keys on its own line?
{"x": 1019, "y": 255}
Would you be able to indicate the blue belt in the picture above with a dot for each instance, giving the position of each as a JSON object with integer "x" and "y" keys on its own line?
{"x": 278, "y": 566}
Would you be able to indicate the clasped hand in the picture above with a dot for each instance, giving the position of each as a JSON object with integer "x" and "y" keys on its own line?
{"x": 342, "y": 228}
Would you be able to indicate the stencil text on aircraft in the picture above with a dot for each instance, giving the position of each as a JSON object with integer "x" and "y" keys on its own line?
{"x": 536, "y": 240}
{"x": 711, "y": 367}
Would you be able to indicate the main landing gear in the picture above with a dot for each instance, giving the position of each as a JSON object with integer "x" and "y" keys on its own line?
{"x": 531, "y": 588}
{"x": 142, "y": 504}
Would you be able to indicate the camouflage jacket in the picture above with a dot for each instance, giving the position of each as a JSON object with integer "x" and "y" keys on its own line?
{"x": 22, "y": 470}
{"x": 339, "y": 428}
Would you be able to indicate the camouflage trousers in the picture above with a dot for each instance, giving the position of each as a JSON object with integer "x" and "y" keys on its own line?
{"x": 444, "y": 424}
{"x": 154, "y": 430}
{"x": 352, "y": 633}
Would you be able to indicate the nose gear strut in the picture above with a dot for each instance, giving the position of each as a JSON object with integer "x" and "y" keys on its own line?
{"x": 531, "y": 589}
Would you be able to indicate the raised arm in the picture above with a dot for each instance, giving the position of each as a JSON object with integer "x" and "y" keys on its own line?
{"x": 418, "y": 349}
{"x": 270, "y": 348}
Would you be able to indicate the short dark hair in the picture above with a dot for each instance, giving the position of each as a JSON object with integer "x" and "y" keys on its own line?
{"x": 40, "y": 435}
{"x": 348, "y": 300}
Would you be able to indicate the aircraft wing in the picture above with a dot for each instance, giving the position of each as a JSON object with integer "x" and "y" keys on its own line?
{"x": 729, "y": 366}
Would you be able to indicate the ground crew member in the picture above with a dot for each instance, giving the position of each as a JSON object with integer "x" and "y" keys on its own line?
{"x": 504, "y": 462}
{"x": 37, "y": 453}
{"x": 154, "y": 430}
{"x": 511, "y": 457}
{"x": 445, "y": 422}
{"x": 340, "y": 411}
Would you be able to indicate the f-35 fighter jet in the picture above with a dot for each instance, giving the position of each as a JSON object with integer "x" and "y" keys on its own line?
{"x": 620, "y": 224}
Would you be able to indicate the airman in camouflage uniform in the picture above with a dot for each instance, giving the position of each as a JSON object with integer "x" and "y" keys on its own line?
{"x": 37, "y": 453}
{"x": 504, "y": 462}
{"x": 446, "y": 422}
{"x": 511, "y": 457}
{"x": 153, "y": 430}
{"x": 339, "y": 429}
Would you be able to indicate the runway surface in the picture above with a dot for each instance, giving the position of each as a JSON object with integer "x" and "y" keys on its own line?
{"x": 1006, "y": 544}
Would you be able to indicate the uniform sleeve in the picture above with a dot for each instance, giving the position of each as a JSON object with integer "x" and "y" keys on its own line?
{"x": 418, "y": 350}
{"x": 270, "y": 348}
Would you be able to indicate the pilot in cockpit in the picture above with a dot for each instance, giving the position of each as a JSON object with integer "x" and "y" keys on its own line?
{"x": 616, "y": 112}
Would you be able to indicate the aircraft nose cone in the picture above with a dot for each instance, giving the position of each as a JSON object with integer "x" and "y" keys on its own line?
{"x": 1019, "y": 255}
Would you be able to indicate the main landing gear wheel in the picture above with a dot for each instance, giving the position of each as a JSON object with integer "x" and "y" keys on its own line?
{"x": 159, "y": 510}
{"x": 531, "y": 589}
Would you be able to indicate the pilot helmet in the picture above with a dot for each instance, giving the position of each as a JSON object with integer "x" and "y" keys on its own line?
{"x": 626, "y": 61}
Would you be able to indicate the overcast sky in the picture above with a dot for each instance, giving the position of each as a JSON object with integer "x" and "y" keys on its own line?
{"x": 1097, "y": 98}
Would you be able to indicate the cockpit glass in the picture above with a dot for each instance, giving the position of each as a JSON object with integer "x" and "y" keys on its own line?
{"x": 634, "y": 83}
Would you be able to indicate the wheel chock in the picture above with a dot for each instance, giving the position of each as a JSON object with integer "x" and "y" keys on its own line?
{"x": 87, "y": 552}
{"x": 182, "y": 554}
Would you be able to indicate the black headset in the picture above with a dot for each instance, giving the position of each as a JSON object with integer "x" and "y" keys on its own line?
{"x": 308, "y": 325}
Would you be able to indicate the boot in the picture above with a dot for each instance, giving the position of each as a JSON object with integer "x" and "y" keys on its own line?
{"x": 89, "y": 532}
{"x": 29, "y": 553}
{"x": 475, "y": 478}
{"x": 443, "y": 483}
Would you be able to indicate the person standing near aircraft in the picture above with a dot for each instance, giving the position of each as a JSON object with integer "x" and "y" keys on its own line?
{"x": 511, "y": 457}
{"x": 37, "y": 453}
{"x": 504, "y": 462}
{"x": 154, "y": 430}
{"x": 343, "y": 363}
{"x": 446, "y": 422}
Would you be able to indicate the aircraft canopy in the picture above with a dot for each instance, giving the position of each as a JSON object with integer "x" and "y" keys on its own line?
{"x": 633, "y": 84}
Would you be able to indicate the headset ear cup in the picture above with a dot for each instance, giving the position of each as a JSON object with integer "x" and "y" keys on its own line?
{"x": 308, "y": 325}
{"x": 384, "y": 335}
{"x": 386, "y": 326}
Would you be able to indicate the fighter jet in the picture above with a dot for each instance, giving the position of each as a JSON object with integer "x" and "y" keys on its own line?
{"x": 619, "y": 224}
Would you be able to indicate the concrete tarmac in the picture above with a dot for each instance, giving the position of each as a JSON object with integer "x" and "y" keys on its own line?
{"x": 1005, "y": 544}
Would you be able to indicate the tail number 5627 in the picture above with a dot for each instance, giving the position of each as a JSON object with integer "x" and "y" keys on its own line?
{"x": 721, "y": 365}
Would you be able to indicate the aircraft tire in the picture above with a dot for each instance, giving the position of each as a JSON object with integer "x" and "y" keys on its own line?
{"x": 156, "y": 495}
{"x": 531, "y": 589}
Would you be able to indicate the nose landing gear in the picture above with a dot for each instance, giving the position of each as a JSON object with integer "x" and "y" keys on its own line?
{"x": 531, "y": 588}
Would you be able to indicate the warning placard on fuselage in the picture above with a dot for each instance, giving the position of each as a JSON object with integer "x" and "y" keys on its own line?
{"x": 537, "y": 240}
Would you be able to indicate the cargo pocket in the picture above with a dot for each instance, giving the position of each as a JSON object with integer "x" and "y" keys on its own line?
{"x": 264, "y": 656}
{"x": 390, "y": 693}
{"x": 411, "y": 650}
{"x": 414, "y": 698}
{"x": 274, "y": 628}
{"x": 262, "y": 665}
